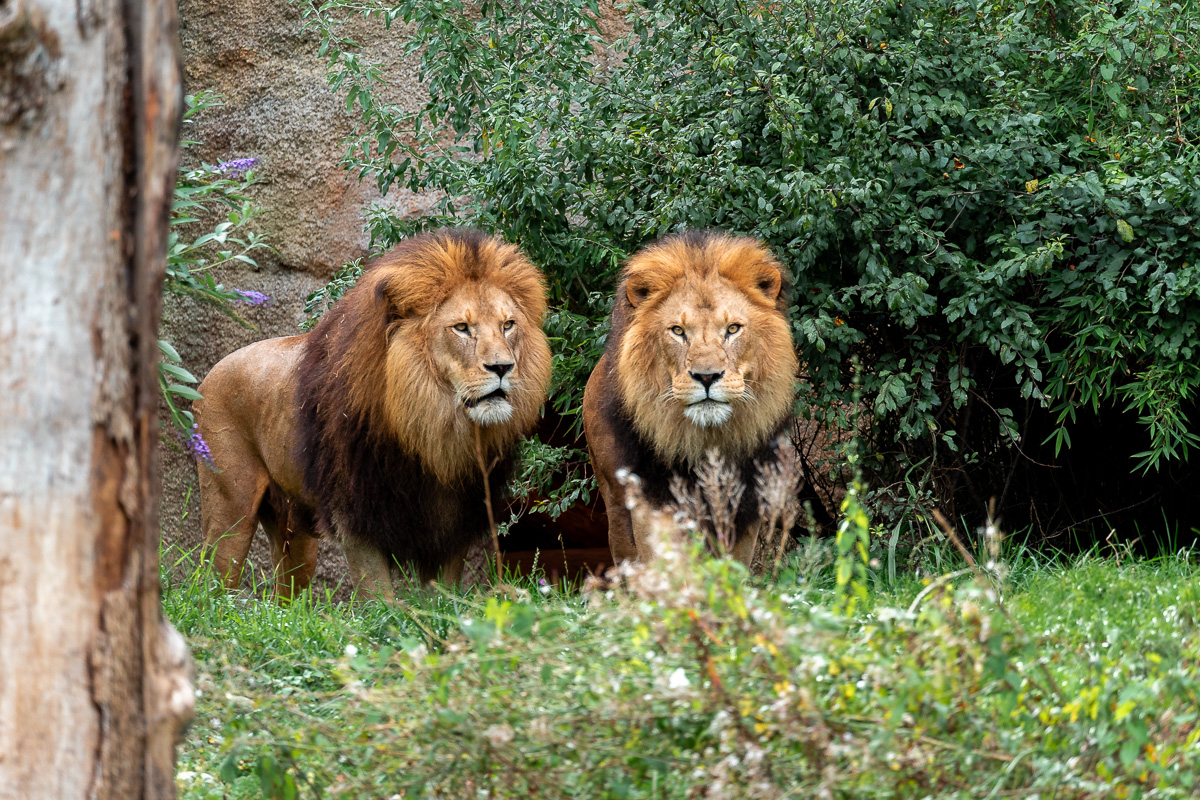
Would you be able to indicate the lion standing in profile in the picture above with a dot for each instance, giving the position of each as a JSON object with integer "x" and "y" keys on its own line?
{"x": 699, "y": 360}
{"x": 366, "y": 428}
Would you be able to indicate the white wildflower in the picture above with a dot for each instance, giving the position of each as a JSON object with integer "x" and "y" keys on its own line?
{"x": 499, "y": 735}
{"x": 539, "y": 728}
{"x": 887, "y": 614}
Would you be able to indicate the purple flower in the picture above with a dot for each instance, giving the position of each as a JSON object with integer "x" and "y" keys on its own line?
{"x": 237, "y": 167}
{"x": 251, "y": 298}
{"x": 194, "y": 443}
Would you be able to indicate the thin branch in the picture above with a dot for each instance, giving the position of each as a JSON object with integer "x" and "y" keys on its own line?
{"x": 933, "y": 587}
{"x": 486, "y": 471}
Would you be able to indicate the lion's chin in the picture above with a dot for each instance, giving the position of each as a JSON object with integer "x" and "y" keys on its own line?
{"x": 490, "y": 412}
{"x": 708, "y": 413}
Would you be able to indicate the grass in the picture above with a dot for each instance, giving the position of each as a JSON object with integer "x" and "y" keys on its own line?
{"x": 1070, "y": 678}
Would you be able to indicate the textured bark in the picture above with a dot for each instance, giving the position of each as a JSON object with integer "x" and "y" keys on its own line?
{"x": 94, "y": 685}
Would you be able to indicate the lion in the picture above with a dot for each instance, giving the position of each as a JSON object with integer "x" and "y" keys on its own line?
{"x": 699, "y": 360}
{"x": 378, "y": 425}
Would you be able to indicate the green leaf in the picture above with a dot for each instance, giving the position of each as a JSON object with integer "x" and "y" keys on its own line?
{"x": 1129, "y": 752}
{"x": 1125, "y": 230}
{"x": 177, "y": 372}
{"x": 184, "y": 391}
{"x": 168, "y": 350}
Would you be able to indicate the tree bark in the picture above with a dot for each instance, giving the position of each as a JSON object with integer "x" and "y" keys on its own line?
{"x": 94, "y": 685}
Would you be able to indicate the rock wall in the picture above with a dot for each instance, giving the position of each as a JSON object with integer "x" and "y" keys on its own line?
{"x": 280, "y": 109}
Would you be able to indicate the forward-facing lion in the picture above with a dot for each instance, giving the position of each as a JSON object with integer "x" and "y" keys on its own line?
{"x": 365, "y": 428}
{"x": 699, "y": 359}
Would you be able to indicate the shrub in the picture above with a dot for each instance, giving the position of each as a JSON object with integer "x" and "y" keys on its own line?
{"x": 686, "y": 680}
{"x": 993, "y": 205}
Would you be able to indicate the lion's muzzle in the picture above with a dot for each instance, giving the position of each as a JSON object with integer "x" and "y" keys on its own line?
{"x": 489, "y": 403}
{"x": 498, "y": 394}
{"x": 707, "y": 396}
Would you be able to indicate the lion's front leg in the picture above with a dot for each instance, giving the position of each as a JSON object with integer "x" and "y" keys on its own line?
{"x": 295, "y": 558}
{"x": 641, "y": 534}
{"x": 369, "y": 568}
{"x": 452, "y": 571}
{"x": 622, "y": 538}
{"x": 744, "y": 548}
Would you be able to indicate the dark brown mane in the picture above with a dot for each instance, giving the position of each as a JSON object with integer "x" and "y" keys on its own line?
{"x": 384, "y": 456}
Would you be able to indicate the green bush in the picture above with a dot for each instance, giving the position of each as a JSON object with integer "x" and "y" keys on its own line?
{"x": 993, "y": 205}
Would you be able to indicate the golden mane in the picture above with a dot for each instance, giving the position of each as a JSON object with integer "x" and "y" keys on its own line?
{"x": 377, "y": 341}
{"x": 697, "y": 268}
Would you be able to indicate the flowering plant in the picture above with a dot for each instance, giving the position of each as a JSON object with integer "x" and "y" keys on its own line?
{"x": 192, "y": 262}
{"x": 681, "y": 678}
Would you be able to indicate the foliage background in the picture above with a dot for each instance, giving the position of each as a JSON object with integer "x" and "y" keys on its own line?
{"x": 992, "y": 206}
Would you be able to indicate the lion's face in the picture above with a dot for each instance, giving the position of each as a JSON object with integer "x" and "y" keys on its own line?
{"x": 707, "y": 358}
{"x": 708, "y": 347}
{"x": 440, "y": 347}
{"x": 478, "y": 337}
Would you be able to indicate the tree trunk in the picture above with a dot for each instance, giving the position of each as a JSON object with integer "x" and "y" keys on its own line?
{"x": 94, "y": 685}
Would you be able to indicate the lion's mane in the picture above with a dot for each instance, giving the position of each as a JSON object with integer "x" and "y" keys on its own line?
{"x": 654, "y": 441}
{"x": 384, "y": 450}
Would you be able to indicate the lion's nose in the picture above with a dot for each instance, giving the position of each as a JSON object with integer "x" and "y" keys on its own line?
{"x": 500, "y": 369}
{"x": 707, "y": 379}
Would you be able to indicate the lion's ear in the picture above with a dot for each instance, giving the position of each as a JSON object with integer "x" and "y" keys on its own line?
{"x": 637, "y": 291}
{"x": 392, "y": 304}
{"x": 648, "y": 280}
{"x": 770, "y": 282}
{"x": 764, "y": 277}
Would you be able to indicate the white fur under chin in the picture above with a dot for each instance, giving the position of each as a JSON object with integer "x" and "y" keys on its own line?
{"x": 491, "y": 412}
{"x": 708, "y": 414}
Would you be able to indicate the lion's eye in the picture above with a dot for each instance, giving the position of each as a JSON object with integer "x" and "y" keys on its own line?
{"x": 462, "y": 327}
{"x": 508, "y": 325}
{"x": 732, "y": 329}
{"x": 677, "y": 330}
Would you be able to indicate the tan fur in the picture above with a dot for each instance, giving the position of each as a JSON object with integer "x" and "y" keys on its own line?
{"x": 404, "y": 369}
{"x": 702, "y": 283}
